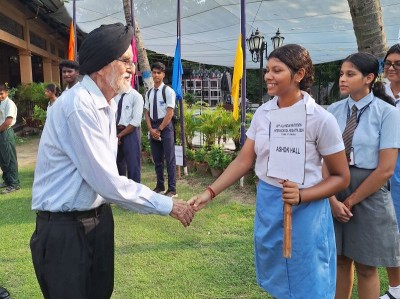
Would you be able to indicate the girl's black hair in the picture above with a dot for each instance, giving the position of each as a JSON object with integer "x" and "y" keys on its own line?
{"x": 367, "y": 64}
{"x": 296, "y": 57}
{"x": 393, "y": 49}
{"x": 54, "y": 88}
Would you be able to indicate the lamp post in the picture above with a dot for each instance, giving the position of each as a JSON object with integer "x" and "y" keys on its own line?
{"x": 256, "y": 46}
{"x": 277, "y": 40}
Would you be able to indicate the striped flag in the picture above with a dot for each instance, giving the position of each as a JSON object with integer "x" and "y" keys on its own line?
{"x": 237, "y": 76}
{"x": 71, "y": 44}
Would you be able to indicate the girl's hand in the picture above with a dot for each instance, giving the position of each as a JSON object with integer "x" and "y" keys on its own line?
{"x": 290, "y": 192}
{"x": 340, "y": 211}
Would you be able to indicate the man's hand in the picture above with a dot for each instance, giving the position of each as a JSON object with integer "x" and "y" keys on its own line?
{"x": 182, "y": 211}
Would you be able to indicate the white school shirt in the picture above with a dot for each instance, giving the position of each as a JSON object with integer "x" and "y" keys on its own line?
{"x": 76, "y": 167}
{"x": 323, "y": 137}
{"x": 132, "y": 108}
{"x": 161, "y": 105}
{"x": 8, "y": 109}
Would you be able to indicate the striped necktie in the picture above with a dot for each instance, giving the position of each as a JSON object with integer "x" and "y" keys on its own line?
{"x": 155, "y": 112}
{"x": 349, "y": 131}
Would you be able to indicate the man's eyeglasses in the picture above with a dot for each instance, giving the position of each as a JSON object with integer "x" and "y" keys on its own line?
{"x": 396, "y": 65}
{"x": 127, "y": 62}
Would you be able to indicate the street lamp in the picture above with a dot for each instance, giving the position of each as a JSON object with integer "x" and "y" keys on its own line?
{"x": 256, "y": 46}
{"x": 277, "y": 40}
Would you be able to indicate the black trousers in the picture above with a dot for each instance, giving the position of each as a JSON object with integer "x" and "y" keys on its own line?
{"x": 73, "y": 254}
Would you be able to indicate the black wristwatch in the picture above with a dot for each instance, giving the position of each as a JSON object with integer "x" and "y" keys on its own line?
{"x": 158, "y": 129}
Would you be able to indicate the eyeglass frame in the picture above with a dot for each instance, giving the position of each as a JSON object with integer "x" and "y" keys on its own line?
{"x": 127, "y": 62}
{"x": 387, "y": 64}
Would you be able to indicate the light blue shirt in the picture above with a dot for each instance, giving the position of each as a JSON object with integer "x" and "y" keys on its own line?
{"x": 76, "y": 167}
{"x": 132, "y": 108}
{"x": 378, "y": 127}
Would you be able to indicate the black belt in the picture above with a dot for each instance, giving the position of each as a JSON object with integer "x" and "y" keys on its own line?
{"x": 73, "y": 214}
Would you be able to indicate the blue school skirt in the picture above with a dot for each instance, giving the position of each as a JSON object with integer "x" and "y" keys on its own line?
{"x": 395, "y": 190}
{"x": 311, "y": 271}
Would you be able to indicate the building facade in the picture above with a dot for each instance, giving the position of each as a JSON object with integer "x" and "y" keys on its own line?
{"x": 30, "y": 49}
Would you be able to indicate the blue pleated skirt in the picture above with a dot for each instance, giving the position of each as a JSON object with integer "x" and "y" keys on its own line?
{"x": 311, "y": 271}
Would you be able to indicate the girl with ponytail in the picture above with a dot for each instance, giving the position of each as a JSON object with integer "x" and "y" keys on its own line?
{"x": 365, "y": 223}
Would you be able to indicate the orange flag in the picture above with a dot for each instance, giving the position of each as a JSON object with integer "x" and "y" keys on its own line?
{"x": 71, "y": 45}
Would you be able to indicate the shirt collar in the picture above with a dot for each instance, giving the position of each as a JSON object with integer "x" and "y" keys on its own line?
{"x": 361, "y": 103}
{"x": 96, "y": 94}
{"x": 307, "y": 100}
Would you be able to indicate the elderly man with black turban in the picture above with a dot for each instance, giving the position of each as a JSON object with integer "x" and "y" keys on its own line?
{"x": 76, "y": 177}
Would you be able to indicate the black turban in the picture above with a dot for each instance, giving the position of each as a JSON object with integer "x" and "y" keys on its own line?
{"x": 103, "y": 45}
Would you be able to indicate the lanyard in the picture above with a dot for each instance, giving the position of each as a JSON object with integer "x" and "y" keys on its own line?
{"x": 361, "y": 110}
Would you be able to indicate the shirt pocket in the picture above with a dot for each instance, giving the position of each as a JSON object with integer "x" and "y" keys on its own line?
{"x": 161, "y": 103}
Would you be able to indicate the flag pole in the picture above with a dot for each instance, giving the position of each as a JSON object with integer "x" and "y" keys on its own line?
{"x": 181, "y": 112}
{"x": 135, "y": 80}
{"x": 243, "y": 87}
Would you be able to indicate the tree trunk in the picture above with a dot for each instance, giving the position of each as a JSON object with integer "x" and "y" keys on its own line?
{"x": 143, "y": 61}
{"x": 368, "y": 26}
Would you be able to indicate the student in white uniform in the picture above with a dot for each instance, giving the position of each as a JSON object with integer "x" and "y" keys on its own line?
{"x": 391, "y": 69}
{"x": 311, "y": 271}
{"x": 129, "y": 118}
{"x": 366, "y": 230}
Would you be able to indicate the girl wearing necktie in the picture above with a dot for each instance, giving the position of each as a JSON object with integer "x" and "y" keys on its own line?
{"x": 365, "y": 222}
{"x": 391, "y": 67}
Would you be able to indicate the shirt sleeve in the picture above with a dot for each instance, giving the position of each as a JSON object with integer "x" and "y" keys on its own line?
{"x": 329, "y": 136}
{"x": 11, "y": 110}
{"x": 170, "y": 97}
{"x": 95, "y": 161}
{"x": 390, "y": 130}
{"x": 137, "y": 110}
{"x": 146, "y": 102}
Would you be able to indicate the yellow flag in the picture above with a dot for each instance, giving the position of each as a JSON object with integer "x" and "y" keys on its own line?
{"x": 237, "y": 76}
{"x": 71, "y": 45}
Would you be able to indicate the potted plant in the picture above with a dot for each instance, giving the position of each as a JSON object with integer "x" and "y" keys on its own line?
{"x": 217, "y": 160}
{"x": 200, "y": 160}
{"x": 190, "y": 159}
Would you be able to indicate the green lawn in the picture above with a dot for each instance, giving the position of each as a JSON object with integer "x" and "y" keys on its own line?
{"x": 156, "y": 257}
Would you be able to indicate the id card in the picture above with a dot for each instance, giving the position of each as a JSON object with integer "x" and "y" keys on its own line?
{"x": 352, "y": 161}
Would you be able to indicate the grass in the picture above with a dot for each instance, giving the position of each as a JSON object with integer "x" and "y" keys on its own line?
{"x": 155, "y": 256}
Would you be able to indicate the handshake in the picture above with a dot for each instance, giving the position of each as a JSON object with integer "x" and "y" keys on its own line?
{"x": 184, "y": 211}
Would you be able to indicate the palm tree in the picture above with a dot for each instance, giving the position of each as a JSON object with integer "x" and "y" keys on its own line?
{"x": 368, "y": 26}
{"x": 143, "y": 61}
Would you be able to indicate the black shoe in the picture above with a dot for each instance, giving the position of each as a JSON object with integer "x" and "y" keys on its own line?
{"x": 4, "y": 294}
{"x": 171, "y": 193}
{"x": 159, "y": 190}
{"x": 10, "y": 189}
